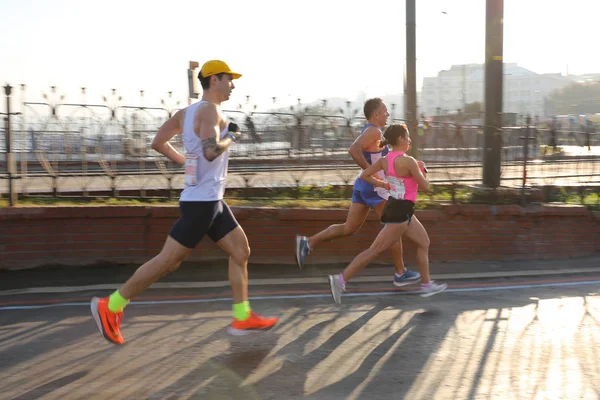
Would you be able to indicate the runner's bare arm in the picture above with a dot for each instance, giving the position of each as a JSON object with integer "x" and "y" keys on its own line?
{"x": 362, "y": 142}
{"x": 166, "y": 132}
{"x": 419, "y": 175}
{"x": 206, "y": 126}
{"x": 368, "y": 174}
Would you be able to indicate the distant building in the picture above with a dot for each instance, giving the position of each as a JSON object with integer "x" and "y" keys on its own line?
{"x": 584, "y": 78}
{"x": 524, "y": 91}
{"x": 346, "y": 107}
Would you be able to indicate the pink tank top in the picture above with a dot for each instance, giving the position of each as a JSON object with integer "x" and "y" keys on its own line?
{"x": 401, "y": 187}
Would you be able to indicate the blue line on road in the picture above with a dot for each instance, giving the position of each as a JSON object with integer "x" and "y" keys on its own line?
{"x": 304, "y": 296}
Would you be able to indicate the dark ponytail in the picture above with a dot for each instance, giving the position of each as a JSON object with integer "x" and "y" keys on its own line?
{"x": 383, "y": 143}
{"x": 394, "y": 132}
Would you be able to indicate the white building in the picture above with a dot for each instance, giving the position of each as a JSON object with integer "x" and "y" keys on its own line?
{"x": 524, "y": 90}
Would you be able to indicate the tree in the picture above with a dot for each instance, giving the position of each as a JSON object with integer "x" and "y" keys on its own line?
{"x": 475, "y": 108}
{"x": 577, "y": 98}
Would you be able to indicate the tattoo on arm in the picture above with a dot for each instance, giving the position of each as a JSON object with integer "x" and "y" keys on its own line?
{"x": 211, "y": 149}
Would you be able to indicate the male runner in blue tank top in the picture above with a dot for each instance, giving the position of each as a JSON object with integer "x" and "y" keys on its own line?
{"x": 364, "y": 151}
{"x": 207, "y": 137}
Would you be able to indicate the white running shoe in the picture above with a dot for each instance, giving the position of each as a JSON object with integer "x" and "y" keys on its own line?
{"x": 432, "y": 288}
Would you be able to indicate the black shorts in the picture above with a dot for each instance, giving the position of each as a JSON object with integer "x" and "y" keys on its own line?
{"x": 199, "y": 218}
{"x": 397, "y": 211}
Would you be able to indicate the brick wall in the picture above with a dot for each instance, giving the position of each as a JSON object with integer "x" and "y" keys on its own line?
{"x": 36, "y": 236}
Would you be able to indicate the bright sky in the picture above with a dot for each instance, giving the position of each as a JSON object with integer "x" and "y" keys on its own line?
{"x": 289, "y": 49}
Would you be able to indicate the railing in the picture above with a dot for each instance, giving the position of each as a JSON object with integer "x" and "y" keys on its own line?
{"x": 80, "y": 149}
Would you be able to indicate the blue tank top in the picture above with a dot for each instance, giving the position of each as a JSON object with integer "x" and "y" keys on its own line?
{"x": 371, "y": 157}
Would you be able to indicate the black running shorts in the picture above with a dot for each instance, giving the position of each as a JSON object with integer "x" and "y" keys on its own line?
{"x": 199, "y": 218}
{"x": 397, "y": 211}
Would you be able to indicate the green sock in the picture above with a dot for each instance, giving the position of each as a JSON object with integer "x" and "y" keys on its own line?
{"x": 241, "y": 311}
{"x": 116, "y": 302}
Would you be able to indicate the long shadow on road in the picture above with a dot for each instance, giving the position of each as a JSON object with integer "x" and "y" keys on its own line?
{"x": 397, "y": 346}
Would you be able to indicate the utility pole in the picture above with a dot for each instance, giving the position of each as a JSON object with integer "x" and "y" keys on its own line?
{"x": 464, "y": 88}
{"x": 493, "y": 92}
{"x": 193, "y": 89}
{"x": 10, "y": 161}
{"x": 411, "y": 76}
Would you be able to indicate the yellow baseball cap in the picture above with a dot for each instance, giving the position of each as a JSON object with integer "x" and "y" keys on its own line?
{"x": 214, "y": 67}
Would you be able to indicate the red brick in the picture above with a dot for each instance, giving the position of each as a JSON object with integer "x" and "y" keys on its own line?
{"x": 507, "y": 209}
{"x": 430, "y": 215}
{"x": 41, "y": 235}
{"x": 169, "y": 212}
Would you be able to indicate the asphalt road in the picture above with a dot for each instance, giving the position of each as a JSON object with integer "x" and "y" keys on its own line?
{"x": 503, "y": 333}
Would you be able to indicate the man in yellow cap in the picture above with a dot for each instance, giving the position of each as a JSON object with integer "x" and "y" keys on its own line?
{"x": 207, "y": 137}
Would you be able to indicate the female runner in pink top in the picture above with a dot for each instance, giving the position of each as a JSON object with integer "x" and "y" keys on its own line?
{"x": 404, "y": 176}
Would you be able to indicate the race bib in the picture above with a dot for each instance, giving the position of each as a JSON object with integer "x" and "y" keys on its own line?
{"x": 191, "y": 169}
{"x": 382, "y": 192}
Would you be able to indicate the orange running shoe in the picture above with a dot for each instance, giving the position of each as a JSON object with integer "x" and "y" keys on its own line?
{"x": 254, "y": 323}
{"x": 108, "y": 322}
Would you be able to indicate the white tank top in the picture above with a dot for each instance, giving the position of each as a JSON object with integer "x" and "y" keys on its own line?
{"x": 210, "y": 175}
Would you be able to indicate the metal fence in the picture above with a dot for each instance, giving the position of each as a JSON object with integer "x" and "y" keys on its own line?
{"x": 85, "y": 149}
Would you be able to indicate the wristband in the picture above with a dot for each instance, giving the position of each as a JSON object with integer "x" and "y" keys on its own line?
{"x": 232, "y": 136}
